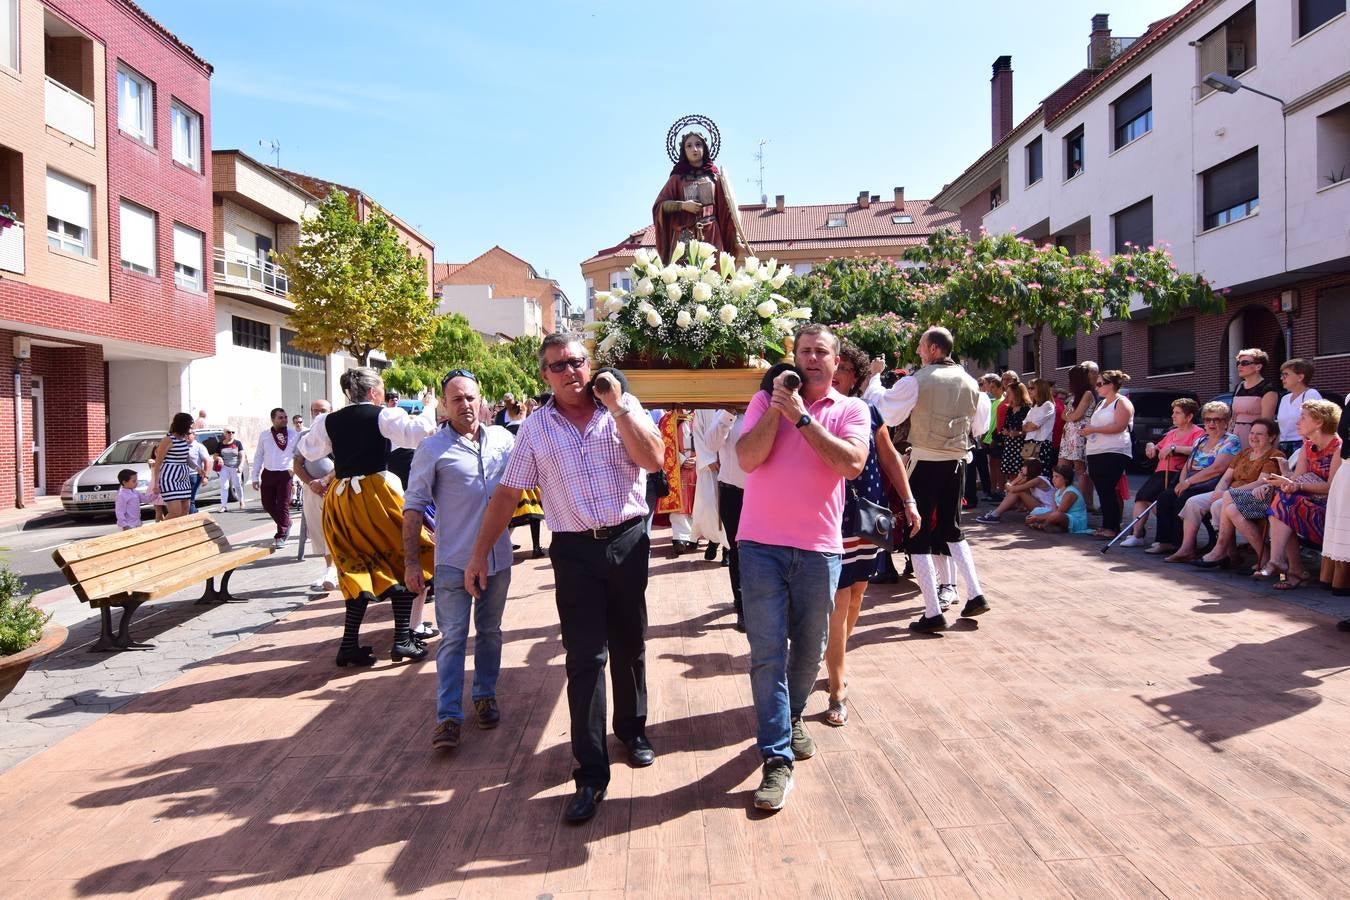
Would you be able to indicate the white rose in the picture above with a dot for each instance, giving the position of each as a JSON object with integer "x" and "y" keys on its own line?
{"x": 706, "y": 250}
{"x": 644, "y": 307}
{"x": 761, "y": 274}
{"x": 618, "y": 292}
{"x": 711, "y": 279}
{"x": 608, "y": 343}
{"x": 691, "y": 273}
{"x": 640, "y": 257}
{"x": 701, "y": 313}
{"x": 677, "y": 252}
{"x": 766, "y": 309}
{"x": 644, "y": 288}
{"x": 727, "y": 313}
{"x": 614, "y": 305}
{"x": 751, "y": 265}
{"x": 741, "y": 284}
{"x": 654, "y": 318}
{"x": 602, "y": 297}
{"x": 782, "y": 325}
{"x": 670, "y": 274}
{"x": 674, "y": 293}
{"x": 682, "y": 319}
{"x": 702, "y": 292}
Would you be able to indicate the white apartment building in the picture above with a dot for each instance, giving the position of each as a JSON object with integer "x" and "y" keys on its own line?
{"x": 1250, "y": 190}
{"x": 512, "y": 317}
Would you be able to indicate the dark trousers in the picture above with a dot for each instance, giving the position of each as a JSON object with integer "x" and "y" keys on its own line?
{"x": 937, "y": 493}
{"x": 1169, "y": 507}
{"x": 978, "y": 466}
{"x": 601, "y": 592}
{"x": 1105, "y": 470}
{"x": 276, "y": 499}
{"x": 729, "y": 501}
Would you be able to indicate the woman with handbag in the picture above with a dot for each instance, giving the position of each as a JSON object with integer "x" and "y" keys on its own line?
{"x": 1299, "y": 508}
{"x": 866, "y": 526}
{"x": 1039, "y": 426}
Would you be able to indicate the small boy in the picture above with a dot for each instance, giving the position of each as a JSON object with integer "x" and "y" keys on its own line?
{"x": 128, "y": 501}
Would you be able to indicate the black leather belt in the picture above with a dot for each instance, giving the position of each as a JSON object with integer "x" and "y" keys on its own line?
{"x": 609, "y": 531}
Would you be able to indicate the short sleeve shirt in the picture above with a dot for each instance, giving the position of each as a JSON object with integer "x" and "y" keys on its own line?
{"x": 1201, "y": 458}
{"x": 793, "y": 499}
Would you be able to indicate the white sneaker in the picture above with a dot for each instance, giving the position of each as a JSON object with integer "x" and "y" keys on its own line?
{"x": 1132, "y": 541}
{"x": 330, "y": 578}
{"x": 278, "y": 543}
{"x": 318, "y": 587}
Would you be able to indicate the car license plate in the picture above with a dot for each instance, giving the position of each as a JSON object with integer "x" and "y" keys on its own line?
{"x": 98, "y": 497}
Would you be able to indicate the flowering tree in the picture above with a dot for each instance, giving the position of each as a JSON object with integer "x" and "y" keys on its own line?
{"x": 984, "y": 288}
{"x": 887, "y": 335}
{"x": 846, "y": 287}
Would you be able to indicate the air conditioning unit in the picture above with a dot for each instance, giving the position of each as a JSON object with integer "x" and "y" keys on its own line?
{"x": 1237, "y": 57}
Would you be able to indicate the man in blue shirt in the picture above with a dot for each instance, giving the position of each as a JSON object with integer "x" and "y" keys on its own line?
{"x": 455, "y": 472}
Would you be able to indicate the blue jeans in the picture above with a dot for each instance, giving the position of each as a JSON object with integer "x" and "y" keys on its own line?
{"x": 452, "y": 615}
{"x": 788, "y": 596}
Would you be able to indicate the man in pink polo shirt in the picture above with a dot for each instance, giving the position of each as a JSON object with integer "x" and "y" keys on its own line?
{"x": 796, "y": 447}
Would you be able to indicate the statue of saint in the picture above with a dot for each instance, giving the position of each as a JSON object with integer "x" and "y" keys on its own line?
{"x": 697, "y": 203}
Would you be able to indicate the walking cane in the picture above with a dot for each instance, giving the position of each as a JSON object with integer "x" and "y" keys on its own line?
{"x": 1129, "y": 529}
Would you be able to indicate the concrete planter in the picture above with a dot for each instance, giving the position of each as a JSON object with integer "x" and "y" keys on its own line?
{"x": 13, "y": 667}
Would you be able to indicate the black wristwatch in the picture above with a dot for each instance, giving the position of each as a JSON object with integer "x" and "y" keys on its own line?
{"x": 804, "y": 420}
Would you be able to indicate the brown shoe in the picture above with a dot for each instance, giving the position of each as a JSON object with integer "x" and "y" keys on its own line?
{"x": 488, "y": 714}
{"x": 446, "y": 735}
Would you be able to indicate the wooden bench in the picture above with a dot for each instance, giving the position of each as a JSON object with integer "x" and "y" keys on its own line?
{"x": 130, "y": 567}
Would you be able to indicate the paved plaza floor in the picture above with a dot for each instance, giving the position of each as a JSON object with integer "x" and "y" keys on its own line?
{"x": 1114, "y": 727}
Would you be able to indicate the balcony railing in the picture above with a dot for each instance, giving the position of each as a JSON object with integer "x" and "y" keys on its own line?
{"x": 246, "y": 270}
{"x": 11, "y": 248}
{"x": 69, "y": 112}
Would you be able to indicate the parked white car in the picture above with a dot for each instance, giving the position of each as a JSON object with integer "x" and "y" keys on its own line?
{"x": 93, "y": 490}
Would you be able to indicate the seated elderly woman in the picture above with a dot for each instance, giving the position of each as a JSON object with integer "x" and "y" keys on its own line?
{"x": 1171, "y": 453}
{"x": 1242, "y": 495}
{"x": 1207, "y": 463}
{"x": 1299, "y": 507}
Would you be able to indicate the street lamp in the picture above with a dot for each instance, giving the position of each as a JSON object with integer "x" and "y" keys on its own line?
{"x": 1230, "y": 85}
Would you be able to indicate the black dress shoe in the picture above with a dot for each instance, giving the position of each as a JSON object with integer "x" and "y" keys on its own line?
{"x": 584, "y": 802}
{"x": 361, "y": 656}
{"x": 975, "y": 606}
{"x": 412, "y": 649}
{"x": 710, "y": 554}
{"x": 640, "y": 752}
{"x": 929, "y": 624}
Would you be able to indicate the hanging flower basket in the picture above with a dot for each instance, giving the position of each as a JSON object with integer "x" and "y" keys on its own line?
{"x": 698, "y": 331}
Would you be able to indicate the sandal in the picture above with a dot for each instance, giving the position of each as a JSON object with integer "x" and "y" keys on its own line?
{"x": 1291, "y": 582}
{"x": 1268, "y": 572}
{"x": 837, "y": 714}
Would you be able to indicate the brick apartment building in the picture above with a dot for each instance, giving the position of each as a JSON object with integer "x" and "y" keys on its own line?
{"x": 1250, "y": 191}
{"x": 104, "y": 121}
{"x": 799, "y": 236}
{"x": 501, "y": 294}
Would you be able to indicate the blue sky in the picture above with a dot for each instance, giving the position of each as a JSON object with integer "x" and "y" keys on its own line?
{"x": 541, "y": 126}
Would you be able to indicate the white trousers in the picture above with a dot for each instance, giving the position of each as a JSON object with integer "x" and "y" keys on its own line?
{"x": 311, "y": 507}
{"x": 230, "y": 480}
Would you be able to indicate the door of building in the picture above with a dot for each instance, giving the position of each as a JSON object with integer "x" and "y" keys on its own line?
{"x": 264, "y": 250}
{"x": 39, "y": 439}
{"x": 304, "y": 377}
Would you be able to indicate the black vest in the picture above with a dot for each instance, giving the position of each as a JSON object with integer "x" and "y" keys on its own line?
{"x": 358, "y": 446}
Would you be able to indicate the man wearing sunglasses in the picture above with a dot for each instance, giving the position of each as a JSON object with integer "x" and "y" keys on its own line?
{"x": 457, "y": 469}
{"x": 586, "y": 449}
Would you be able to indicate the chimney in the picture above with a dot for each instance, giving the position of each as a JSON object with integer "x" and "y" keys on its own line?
{"x": 899, "y": 198}
{"x": 778, "y": 203}
{"x": 1000, "y": 99}
{"x": 1099, "y": 42}
{"x": 864, "y": 199}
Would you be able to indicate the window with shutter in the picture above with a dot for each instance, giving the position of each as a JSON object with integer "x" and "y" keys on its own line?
{"x": 136, "y": 234}
{"x": 1333, "y": 320}
{"x": 1229, "y": 49}
{"x": 1073, "y": 153}
{"x": 1110, "y": 354}
{"x": 1035, "y": 163}
{"x": 68, "y": 214}
{"x": 1172, "y": 347}
{"x": 1134, "y": 227}
{"x": 1133, "y": 113}
{"x": 1314, "y": 13}
{"x": 1230, "y": 190}
{"x": 187, "y": 257}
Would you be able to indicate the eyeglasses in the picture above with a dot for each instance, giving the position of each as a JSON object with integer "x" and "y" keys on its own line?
{"x": 563, "y": 365}
{"x": 1246, "y": 362}
{"x": 1102, "y": 383}
{"x": 458, "y": 373}
{"x": 1214, "y": 420}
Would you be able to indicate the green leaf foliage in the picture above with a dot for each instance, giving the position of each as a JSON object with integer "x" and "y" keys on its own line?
{"x": 355, "y": 286}
{"x": 454, "y": 344}
{"x": 20, "y": 622}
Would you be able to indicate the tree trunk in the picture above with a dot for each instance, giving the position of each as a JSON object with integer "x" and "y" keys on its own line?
{"x": 1039, "y": 332}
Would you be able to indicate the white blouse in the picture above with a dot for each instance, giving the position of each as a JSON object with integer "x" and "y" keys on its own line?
{"x": 1043, "y": 417}
{"x": 1288, "y": 412}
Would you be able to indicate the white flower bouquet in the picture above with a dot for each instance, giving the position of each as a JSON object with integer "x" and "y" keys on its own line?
{"x": 698, "y": 311}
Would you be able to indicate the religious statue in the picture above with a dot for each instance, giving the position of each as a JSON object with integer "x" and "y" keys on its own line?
{"x": 697, "y": 203}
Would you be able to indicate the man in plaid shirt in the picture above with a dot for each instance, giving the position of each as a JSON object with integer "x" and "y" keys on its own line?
{"x": 586, "y": 450}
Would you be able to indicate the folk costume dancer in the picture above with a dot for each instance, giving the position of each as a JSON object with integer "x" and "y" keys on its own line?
{"x": 363, "y": 508}
{"x": 943, "y": 405}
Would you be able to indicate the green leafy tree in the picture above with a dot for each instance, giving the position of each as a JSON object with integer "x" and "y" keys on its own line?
{"x": 455, "y": 345}
{"x": 984, "y": 288}
{"x": 355, "y": 286}
{"x": 842, "y": 289}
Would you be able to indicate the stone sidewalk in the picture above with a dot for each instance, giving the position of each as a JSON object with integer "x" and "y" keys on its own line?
{"x": 1114, "y": 727}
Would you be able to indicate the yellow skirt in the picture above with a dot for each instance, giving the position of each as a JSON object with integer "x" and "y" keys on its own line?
{"x": 363, "y": 525}
{"x": 528, "y": 509}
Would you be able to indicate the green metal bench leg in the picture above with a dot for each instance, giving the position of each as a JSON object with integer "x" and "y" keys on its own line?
{"x": 107, "y": 641}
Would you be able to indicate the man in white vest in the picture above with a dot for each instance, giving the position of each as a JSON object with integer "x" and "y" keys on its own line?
{"x": 944, "y": 405}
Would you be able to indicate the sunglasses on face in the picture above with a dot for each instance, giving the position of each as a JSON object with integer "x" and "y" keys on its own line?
{"x": 1103, "y": 383}
{"x": 1246, "y": 362}
{"x": 563, "y": 365}
{"x": 1214, "y": 421}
